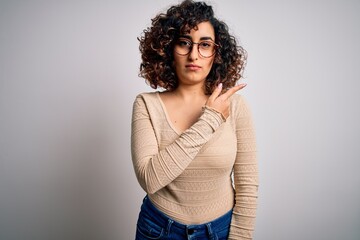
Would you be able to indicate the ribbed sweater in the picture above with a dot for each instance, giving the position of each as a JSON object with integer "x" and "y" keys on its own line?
{"x": 200, "y": 174}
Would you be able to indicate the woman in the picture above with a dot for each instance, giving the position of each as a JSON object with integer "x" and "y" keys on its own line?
{"x": 188, "y": 140}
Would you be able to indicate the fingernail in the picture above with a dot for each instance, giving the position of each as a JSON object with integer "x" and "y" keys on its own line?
{"x": 220, "y": 85}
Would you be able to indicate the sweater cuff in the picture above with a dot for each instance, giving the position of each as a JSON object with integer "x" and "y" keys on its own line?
{"x": 212, "y": 117}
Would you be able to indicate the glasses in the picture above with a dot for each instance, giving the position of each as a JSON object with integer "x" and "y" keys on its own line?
{"x": 206, "y": 48}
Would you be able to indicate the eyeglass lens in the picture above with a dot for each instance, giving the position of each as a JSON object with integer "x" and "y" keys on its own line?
{"x": 205, "y": 48}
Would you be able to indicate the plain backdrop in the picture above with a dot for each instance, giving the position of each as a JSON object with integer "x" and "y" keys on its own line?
{"x": 69, "y": 76}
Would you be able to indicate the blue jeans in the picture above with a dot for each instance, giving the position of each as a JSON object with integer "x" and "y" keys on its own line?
{"x": 153, "y": 224}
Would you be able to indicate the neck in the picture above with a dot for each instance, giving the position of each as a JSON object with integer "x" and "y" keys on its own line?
{"x": 190, "y": 92}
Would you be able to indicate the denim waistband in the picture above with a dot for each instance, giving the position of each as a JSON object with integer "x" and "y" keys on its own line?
{"x": 167, "y": 221}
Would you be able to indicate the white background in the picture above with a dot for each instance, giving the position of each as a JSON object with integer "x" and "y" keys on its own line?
{"x": 68, "y": 78}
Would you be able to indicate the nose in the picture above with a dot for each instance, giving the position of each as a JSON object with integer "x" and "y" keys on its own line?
{"x": 194, "y": 53}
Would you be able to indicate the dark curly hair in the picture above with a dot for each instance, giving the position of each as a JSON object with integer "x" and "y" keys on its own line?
{"x": 157, "y": 43}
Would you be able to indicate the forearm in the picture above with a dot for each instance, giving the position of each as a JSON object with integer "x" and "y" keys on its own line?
{"x": 156, "y": 168}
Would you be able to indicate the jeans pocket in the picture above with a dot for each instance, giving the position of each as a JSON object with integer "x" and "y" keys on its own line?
{"x": 147, "y": 228}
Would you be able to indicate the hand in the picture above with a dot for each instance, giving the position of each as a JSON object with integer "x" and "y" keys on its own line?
{"x": 221, "y": 102}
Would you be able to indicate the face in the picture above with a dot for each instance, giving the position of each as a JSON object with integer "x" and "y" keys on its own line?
{"x": 193, "y": 68}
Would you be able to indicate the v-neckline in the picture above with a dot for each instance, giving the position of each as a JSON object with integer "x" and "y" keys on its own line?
{"x": 167, "y": 115}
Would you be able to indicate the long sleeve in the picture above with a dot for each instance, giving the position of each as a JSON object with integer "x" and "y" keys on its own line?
{"x": 156, "y": 168}
{"x": 245, "y": 176}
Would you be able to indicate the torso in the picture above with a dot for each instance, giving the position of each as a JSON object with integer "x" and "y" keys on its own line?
{"x": 182, "y": 114}
{"x": 204, "y": 190}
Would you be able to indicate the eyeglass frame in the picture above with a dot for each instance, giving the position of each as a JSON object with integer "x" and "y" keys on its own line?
{"x": 217, "y": 46}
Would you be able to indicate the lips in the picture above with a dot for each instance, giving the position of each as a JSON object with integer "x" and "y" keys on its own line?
{"x": 192, "y": 66}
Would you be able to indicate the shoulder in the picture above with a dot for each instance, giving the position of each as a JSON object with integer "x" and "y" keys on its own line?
{"x": 146, "y": 98}
{"x": 146, "y": 95}
{"x": 238, "y": 100}
{"x": 239, "y": 105}
{"x": 148, "y": 103}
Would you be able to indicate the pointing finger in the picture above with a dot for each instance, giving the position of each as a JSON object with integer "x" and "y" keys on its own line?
{"x": 216, "y": 92}
{"x": 233, "y": 90}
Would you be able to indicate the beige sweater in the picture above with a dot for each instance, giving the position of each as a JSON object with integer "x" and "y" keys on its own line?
{"x": 188, "y": 175}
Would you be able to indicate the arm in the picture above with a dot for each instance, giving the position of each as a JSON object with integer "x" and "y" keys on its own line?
{"x": 245, "y": 176}
{"x": 155, "y": 169}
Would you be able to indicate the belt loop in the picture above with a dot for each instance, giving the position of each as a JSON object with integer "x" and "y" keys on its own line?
{"x": 168, "y": 226}
{"x": 211, "y": 235}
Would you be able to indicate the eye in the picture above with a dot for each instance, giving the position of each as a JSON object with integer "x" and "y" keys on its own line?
{"x": 184, "y": 43}
{"x": 205, "y": 44}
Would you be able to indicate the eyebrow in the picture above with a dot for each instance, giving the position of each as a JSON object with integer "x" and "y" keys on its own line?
{"x": 190, "y": 38}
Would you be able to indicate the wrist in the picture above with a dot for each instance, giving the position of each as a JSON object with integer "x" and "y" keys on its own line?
{"x": 214, "y": 111}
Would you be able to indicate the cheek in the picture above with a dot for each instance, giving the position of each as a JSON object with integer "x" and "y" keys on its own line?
{"x": 176, "y": 62}
{"x": 210, "y": 63}
{"x": 175, "y": 66}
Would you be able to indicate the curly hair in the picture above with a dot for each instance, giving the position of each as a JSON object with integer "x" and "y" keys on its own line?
{"x": 157, "y": 43}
